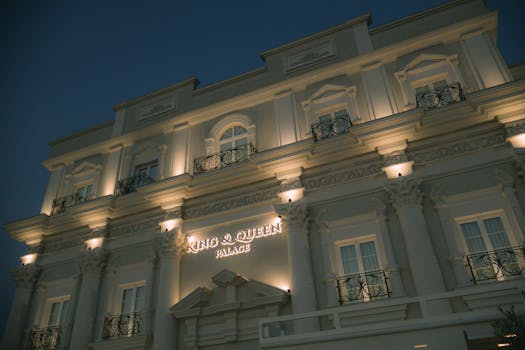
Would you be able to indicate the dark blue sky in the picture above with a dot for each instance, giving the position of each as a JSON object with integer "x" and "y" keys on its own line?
{"x": 63, "y": 64}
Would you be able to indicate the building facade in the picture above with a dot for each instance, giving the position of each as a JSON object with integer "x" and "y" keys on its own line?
{"x": 363, "y": 189}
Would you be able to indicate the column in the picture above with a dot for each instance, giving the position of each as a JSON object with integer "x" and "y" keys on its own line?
{"x": 25, "y": 278}
{"x": 111, "y": 171}
{"x": 287, "y": 128}
{"x": 295, "y": 221}
{"x": 170, "y": 249}
{"x": 53, "y": 186}
{"x": 180, "y": 150}
{"x": 85, "y": 315}
{"x": 407, "y": 198}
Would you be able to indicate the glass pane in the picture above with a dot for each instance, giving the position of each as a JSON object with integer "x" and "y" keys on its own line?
{"x": 472, "y": 236}
{"x": 127, "y": 296}
{"x": 241, "y": 143}
{"x": 349, "y": 259}
{"x": 227, "y": 134}
{"x": 226, "y": 146}
{"x": 340, "y": 113}
{"x": 65, "y": 309}
{"x": 325, "y": 118}
{"x": 239, "y": 130}
{"x": 140, "y": 298}
{"x": 153, "y": 171}
{"x": 369, "y": 256}
{"x": 54, "y": 315}
{"x": 498, "y": 237}
{"x": 89, "y": 190}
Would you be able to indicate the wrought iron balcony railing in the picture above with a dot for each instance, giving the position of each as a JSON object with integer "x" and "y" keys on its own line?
{"x": 222, "y": 159}
{"x": 497, "y": 264}
{"x": 47, "y": 338}
{"x": 362, "y": 286}
{"x": 60, "y": 204}
{"x": 123, "y": 325}
{"x": 130, "y": 184}
{"x": 326, "y": 129}
{"x": 441, "y": 96}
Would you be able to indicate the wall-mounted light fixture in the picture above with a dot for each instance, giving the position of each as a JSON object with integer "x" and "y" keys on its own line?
{"x": 94, "y": 243}
{"x": 169, "y": 225}
{"x": 28, "y": 259}
{"x": 291, "y": 195}
{"x": 398, "y": 170}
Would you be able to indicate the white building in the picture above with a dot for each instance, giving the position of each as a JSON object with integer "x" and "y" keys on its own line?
{"x": 363, "y": 189}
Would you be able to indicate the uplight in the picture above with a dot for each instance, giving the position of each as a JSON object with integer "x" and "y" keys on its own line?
{"x": 517, "y": 141}
{"x": 169, "y": 225}
{"x": 28, "y": 259}
{"x": 94, "y": 243}
{"x": 420, "y": 346}
{"x": 503, "y": 345}
{"x": 398, "y": 170}
{"x": 291, "y": 195}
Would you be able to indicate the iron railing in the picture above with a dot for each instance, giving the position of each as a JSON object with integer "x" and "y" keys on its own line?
{"x": 326, "y": 129}
{"x": 123, "y": 325}
{"x": 130, "y": 184}
{"x": 47, "y": 338}
{"x": 362, "y": 286}
{"x": 60, "y": 204}
{"x": 441, "y": 96}
{"x": 222, "y": 159}
{"x": 496, "y": 264}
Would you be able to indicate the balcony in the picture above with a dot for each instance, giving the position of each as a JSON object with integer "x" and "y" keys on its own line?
{"x": 498, "y": 264}
{"x": 60, "y": 204}
{"x": 47, "y": 338}
{"x": 441, "y": 96}
{"x": 366, "y": 286}
{"x": 334, "y": 127}
{"x": 123, "y": 325}
{"x": 222, "y": 159}
{"x": 130, "y": 184}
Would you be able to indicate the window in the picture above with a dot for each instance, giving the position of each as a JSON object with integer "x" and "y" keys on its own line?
{"x": 362, "y": 279}
{"x": 331, "y": 124}
{"x": 58, "y": 313}
{"x": 129, "y": 322}
{"x": 490, "y": 253}
{"x": 233, "y": 144}
{"x": 48, "y": 337}
{"x": 420, "y": 90}
{"x": 83, "y": 193}
{"x": 147, "y": 170}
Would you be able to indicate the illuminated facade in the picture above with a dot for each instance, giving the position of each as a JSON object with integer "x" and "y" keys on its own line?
{"x": 363, "y": 189}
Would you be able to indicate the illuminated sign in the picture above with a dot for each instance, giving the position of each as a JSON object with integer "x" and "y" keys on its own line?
{"x": 239, "y": 243}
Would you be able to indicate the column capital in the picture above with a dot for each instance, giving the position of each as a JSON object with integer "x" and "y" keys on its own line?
{"x": 94, "y": 260}
{"x": 404, "y": 191}
{"x": 26, "y": 276}
{"x": 170, "y": 244}
{"x": 293, "y": 213}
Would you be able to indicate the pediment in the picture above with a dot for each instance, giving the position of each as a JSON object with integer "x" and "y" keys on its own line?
{"x": 227, "y": 278}
{"x": 424, "y": 60}
{"x": 192, "y": 303}
{"x": 148, "y": 148}
{"x": 328, "y": 91}
{"x": 85, "y": 167}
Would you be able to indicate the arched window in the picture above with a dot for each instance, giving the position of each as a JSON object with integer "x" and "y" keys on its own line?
{"x": 233, "y": 143}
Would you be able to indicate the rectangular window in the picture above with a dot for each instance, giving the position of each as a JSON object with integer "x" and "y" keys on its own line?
{"x": 131, "y": 309}
{"x": 84, "y": 193}
{"x": 58, "y": 313}
{"x": 490, "y": 255}
{"x": 362, "y": 279}
{"x": 146, "y": 170}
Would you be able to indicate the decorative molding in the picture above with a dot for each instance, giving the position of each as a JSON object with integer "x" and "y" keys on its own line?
{"x": 424, "y": 156}
{"x": 177, "y": 213}
{"x": 310, "y": 56}
{"x": 293, "y": 213}
{"x": 227, "y": 278}
{"x": 404, "y": 191}
{"x": 171, "y": 244}
{"x": 94, "y": 260}
{"x": 167, "y": 104}
{"x": 395, "y": 157}
{"x": 26, "y": 276}
{"x": 514, "y": 129}
{"x": 231, "y": 203}
{"x": 291, "y": 184}
{"x": 149, "y": 224}
{"x": 336, "y": 178}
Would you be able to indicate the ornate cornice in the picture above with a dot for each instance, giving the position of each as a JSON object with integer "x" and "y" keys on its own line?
{"x": 291, "y": 184}
{"x": 452, "y": 149}
{"x": 149, "y": 224}
{"x": 404, "y": 191}
{"x": 26, "y": 276}
{"x": 231, "y": 203}
{"x": 515, "y": 128}
{"x": 395, "y": 157}
{"x": 340, "y": 177}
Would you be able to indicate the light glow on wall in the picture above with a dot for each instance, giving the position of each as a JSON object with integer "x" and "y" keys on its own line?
{"x": 420, "y": 346}
{"x": 94, "y": 243}
{"x": 28, "y": 259}
{"x": 291, "y": 195}
{"x": 169, "y": 225}
{"x": 517, "y": 141}
{"x": 398, "y": 170}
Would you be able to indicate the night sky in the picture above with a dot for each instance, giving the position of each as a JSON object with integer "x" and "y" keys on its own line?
{"x": 64, "y": 64}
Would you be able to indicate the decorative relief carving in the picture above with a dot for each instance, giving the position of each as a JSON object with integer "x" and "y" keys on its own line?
{"x": 335, "y": 178}
{"x": 228, "y": 204}
{"x": 150, "y": 224}
{"x": 310, "y": 56}
{"x": 515, "y": 128}
{"x": 293, "y": 213}
{"x": 395, "y": 157}
{"x": 177, "y": 213}
{"x": 171, "y": 244}
{"x": 460, "y": 147}
{"x": 159, "y": 107}
{"x": 94, "y": 260}
{"x": 26, "y": 276}
{"x": 404, "y": 191}
{"x": 291, "y": 184}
